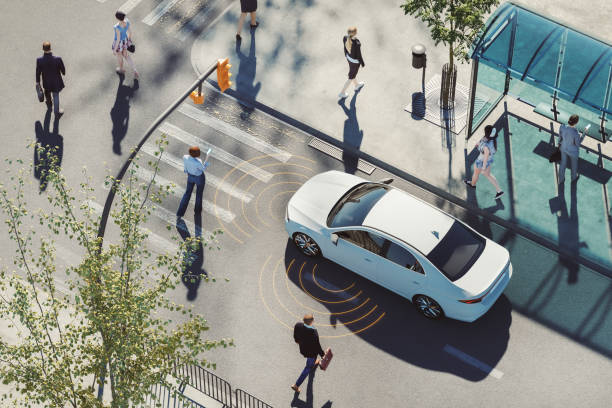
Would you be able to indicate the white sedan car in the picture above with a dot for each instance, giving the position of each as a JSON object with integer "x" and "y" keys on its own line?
{"x": 400, "y": 242}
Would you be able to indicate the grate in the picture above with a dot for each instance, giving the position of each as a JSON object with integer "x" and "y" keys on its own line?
{"x": 336, "y": 153}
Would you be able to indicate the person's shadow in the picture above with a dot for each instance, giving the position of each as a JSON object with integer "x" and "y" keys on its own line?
{"x": 193, "y": 272}
{"x": 49, "y": 149}
{"x": 298, "y": 403}
{"x": 567, "y": 225}
{"x": 247, "y": 69}
{"x": 352, "y": 135}
{"x": 120, "y": 112}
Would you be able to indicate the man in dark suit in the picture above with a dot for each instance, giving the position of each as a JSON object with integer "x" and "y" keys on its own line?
{"x": 308, "y": 339}
{"x": 51, "y": 68}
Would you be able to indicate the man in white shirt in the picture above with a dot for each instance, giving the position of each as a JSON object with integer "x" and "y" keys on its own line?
{"x": 194, "y": 168}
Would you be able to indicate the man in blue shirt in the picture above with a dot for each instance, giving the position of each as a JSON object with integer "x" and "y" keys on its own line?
{"x": 194, "y": 168}
{"x": 570, "y": 141}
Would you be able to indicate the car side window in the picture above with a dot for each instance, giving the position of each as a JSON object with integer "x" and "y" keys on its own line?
{"x": 366, "y": 240}
{"x": 403, "y": 257}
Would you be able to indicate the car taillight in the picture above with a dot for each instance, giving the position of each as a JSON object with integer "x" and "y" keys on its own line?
{"x": 469, "y": 301}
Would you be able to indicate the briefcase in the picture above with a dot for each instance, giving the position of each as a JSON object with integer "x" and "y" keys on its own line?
{"x": 39, "y": 93}
{"x": 326, "y": 359}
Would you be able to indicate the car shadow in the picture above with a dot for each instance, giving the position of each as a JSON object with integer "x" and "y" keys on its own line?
{"x": 391, "y": 323}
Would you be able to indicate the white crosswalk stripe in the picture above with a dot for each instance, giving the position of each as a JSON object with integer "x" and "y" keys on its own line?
{"x": 217, "y": 152}
{"x": 211, "y": 179}
{"x": 128, "y": 5}
{"x": 232, "y": 131}
{"x": 207, "y": 206}
{"x": 159, "y": 11}
{"x": 199, "y": 19}
{"x": 161, "y": 244}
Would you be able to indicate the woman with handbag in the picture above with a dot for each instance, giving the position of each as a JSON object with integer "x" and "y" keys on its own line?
{"x": 123, "y": 43}
{"x": 487, "y": 148}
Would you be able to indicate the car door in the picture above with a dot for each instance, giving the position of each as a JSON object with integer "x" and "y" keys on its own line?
{"x": 400, "y": 271}
{"x": 360, "y": 251}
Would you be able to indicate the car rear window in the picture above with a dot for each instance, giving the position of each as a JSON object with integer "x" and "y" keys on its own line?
{"x": 457, "y": 251}
{"x": 354, "y": 206}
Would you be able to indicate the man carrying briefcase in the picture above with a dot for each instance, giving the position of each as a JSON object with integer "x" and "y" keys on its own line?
{"x": 308, "y": 338}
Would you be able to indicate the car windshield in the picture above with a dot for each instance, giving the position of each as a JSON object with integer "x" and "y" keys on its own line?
{"x": 457, "y": 251}
{"x": 355, "y": 205}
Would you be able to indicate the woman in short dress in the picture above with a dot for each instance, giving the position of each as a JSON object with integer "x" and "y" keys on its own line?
{"x": 123, "y": 39}
{"x": 352, "y": 52}
{"x": 246, "y": 6}
{"x": 487, "y": 148}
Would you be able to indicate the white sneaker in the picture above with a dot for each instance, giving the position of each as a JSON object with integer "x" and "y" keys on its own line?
{"x": 343, "y": 95}
{"x": 359, "y": 86}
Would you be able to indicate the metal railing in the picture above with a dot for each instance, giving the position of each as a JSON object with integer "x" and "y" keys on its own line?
{"x": 206, "y": 382}
{"x": 246, "y": 400}
{"x": 166, "y": 398}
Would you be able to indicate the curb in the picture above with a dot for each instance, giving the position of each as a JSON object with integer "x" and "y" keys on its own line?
{"x": 466, "y": 205}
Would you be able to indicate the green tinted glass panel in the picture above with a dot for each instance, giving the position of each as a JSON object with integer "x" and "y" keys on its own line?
{"x": 531, "y": 30}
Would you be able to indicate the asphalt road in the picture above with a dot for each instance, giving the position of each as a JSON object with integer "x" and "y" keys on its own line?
{"x": 545, "y": 343}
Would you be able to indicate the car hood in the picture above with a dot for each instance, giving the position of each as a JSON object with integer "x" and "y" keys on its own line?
{"x": 315, "y": 198}
{"x": 491, "y": 263}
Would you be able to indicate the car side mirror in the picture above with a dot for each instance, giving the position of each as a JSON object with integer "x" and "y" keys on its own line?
{"x": 334, "y": 239}
{"x": 388, "y": 180}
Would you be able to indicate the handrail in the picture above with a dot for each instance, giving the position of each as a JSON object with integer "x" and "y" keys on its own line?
{"x": 246, "y": 400}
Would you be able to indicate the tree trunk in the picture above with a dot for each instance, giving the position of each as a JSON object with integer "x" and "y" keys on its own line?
{"x": 449, "y": 81}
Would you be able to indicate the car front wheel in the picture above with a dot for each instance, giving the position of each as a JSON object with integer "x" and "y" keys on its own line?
{"x": 428, "y": 307}
{"x": 306, "y": 244}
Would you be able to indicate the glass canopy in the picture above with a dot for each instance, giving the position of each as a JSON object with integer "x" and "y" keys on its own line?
{"x": 556, "y": 68}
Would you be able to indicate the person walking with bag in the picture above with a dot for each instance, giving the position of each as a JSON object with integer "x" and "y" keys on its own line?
{"x": 51, "y": 69}
{"x": 487, "y": 148}
{"x": 247, "y": 6}
{"x": 194, "y": 168}
{"x": 308, "y": 338}
{"x": 570, "y": 141}
{"x": 352, "y": 52}
{"x": 123, "y": 43}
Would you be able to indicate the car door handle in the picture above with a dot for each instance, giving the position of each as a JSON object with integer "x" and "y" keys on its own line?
{"x": 417, "y": 282}
{"x": 368, "y": 259}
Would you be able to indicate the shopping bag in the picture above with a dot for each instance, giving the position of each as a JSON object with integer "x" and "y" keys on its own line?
{"x": 326, "y": 359}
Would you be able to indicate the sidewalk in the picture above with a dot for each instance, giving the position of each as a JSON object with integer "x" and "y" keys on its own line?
{"x": 293, "y": 64}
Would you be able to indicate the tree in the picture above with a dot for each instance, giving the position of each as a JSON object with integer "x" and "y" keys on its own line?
{"x": 114, "y": 327}
{"x": 454, "y": 23}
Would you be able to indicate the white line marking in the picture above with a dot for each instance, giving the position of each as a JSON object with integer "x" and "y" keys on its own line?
{"x": 159, "y": 11}
{"x": 207, "y": 206}
{"x": 229, "y": 130}
{"x": 157, "y": 241}
{"x": 101, "y": 1}
{"x": 217, "y": 152}
{"x": 128, "y": 5}
{"x": 466, "y": 358}
{"x": 193, "y": 24}
{"x": 215, "y": 181}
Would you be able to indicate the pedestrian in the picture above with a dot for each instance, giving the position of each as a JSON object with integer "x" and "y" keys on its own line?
{"x": 51, "y": 68}
{"x": 308, "y": 338}
{"x": 487, "y": 148}
{"x": 570, "y": 141}
{"x": 352, "y": 52}
{"x": 194, "y": 168}
{"x": 247, "y": 6}
{"x": 123, "y": 41}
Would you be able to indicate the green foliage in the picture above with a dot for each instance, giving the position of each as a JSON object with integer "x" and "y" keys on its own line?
{"x": 455, "y": 23}
{"x": 116, "y": 319}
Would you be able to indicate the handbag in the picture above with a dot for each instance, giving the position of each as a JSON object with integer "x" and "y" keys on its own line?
{"x": 326, "y": 359}
{"x": 555, "y": 156}
{"x": 132, "y": 47}
{"x": 39, "y": 93}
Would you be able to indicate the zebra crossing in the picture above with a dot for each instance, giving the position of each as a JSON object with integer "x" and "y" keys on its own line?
{"x": 191, "y": 23}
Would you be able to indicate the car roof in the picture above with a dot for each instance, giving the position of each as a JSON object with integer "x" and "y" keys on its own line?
{"x": 413, "y": 221}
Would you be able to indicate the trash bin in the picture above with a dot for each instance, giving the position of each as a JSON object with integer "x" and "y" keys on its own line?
{"x": 419, "y": 58}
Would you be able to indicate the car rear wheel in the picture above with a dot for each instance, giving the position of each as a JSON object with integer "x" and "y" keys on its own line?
{"x": 428, "y": 307}
{"x": 306, "y": 244}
